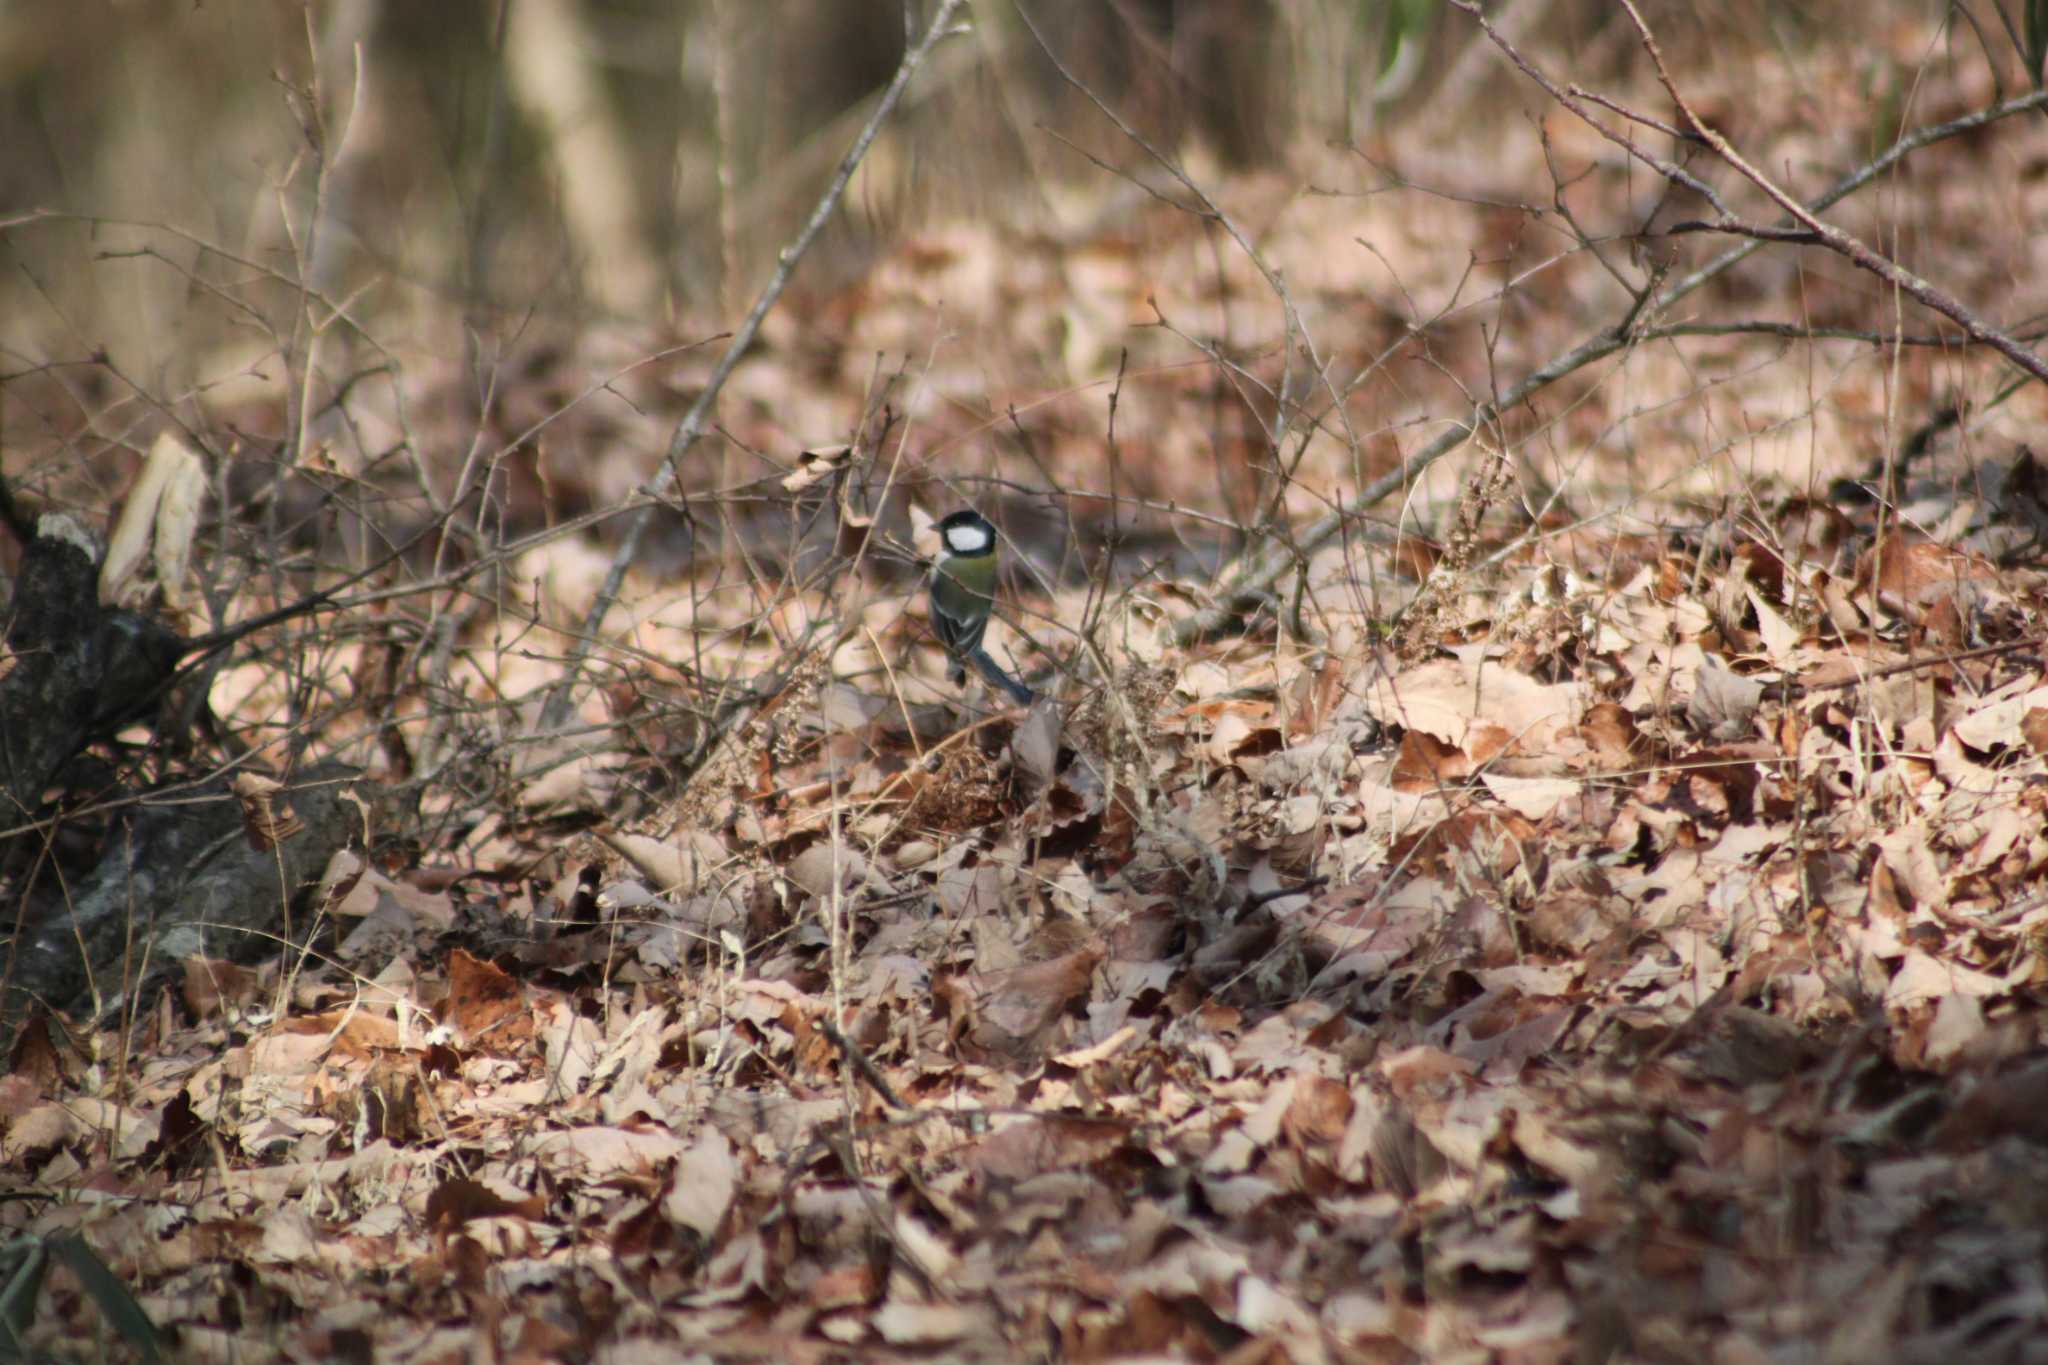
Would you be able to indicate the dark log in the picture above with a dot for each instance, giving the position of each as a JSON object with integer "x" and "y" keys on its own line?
{"x": 179, "y": 877}
{"x": 173, "y": 873}
{"x": 79, "y": 671}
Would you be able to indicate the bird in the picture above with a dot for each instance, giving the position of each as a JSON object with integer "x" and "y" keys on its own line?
{"x": 963, "y": 586}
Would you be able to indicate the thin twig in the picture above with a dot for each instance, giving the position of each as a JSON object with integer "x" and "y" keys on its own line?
{"x": 691, "y": 428}
{"x": 1835, "y": 239}
{"x": 1793, "y": 687}
{"x": 1262, "y": 567}
{"x": 870, "y": 1073}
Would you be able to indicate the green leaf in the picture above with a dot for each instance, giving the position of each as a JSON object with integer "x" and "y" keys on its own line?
{"x": 109, "y": 1293}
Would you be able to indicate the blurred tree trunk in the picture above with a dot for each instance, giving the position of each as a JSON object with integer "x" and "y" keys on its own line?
{"x": 548, "y": 65}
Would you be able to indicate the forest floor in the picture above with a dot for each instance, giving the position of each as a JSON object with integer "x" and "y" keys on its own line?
{"x": 1588, "y": 906}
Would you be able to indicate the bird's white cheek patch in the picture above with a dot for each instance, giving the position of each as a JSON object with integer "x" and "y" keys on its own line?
{"x": 967, "y": 540}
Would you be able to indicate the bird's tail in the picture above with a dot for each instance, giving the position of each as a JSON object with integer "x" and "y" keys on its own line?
{"x": 993, "y": 671}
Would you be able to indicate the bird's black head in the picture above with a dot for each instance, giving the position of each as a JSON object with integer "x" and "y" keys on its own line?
{"x": 967, "y": 532}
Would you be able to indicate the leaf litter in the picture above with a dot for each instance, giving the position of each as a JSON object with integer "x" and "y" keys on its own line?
{"x": 1482, "y": 1015}
{"x": 1648, "y": 967}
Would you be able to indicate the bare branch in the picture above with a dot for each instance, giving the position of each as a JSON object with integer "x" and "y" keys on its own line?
{"x": 1263, "y": 565}
{"x": 691, "y": 428}
{"x": 1834, "y": 238}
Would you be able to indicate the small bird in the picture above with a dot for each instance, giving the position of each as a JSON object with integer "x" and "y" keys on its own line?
{"x": 963, "y": 593}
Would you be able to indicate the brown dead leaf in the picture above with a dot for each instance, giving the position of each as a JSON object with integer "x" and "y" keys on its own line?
{"x": 1318, "y": 1113}
{"x": 1029, "y": 1146}
{"x": 1495, "y": 839}
{"x": 457, "y": 1201}
{"x": 1478, "y": 706}
{"x": 267, "y": 819}
{"x": 1885, "y": 896}
{"x": 1534, "y": 797}
{"x": 1231, "y": 727}
{"x": 1957, "y": 1028}
{"x": 1150, "y": 1325}
{"x": 903, "y": 1323}
{"x": 845, "y": 1287}
{"x": 814, "y": 466}
{"x": 35, "y": 1065}
{"x": 2034, "y": 729}
{"x": 702, "y": 1185}
{"x": 1913, "y": 574}
{"x": 212, "y": 984}
{"x": 2000, "y": 719}
{"x": 480, "y": 999}
{"x": 1011, "y": 1015}
{"x": 1425, "y": 763}
{"x": 1723, "y": 704}
{"x": 1036, "y": 743}
{"x": 1422, "y": 1068}
{"x": 157, "y": 522}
